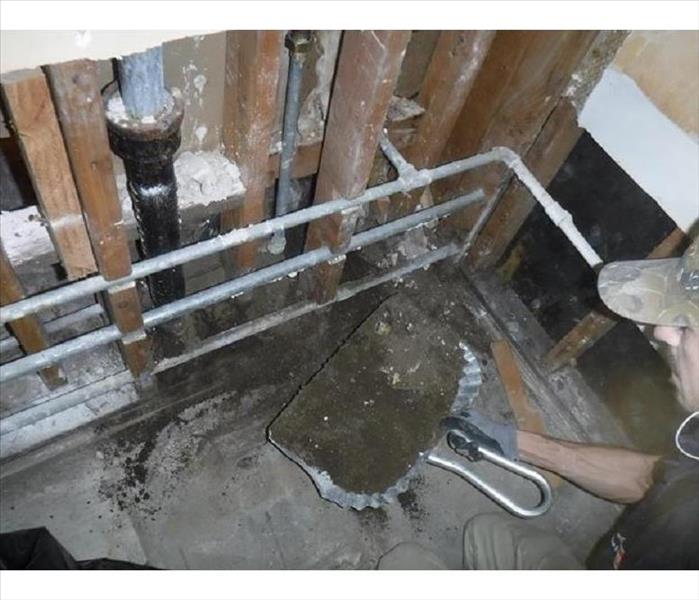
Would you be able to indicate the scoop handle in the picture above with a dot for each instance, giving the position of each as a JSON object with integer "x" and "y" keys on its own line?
{"x": 459, "y": 467}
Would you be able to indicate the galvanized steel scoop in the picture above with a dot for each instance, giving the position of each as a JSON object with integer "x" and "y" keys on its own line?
{"x": 365, "y": 425}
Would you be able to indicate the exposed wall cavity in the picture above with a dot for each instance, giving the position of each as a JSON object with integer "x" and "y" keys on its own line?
{"x": 195, "y": 65}
{"x": 417, "y": 58}
{"x": 314, "y": 108}
{"x": 207, "y": 183}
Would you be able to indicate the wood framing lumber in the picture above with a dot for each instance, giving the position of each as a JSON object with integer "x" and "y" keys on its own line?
{"x": 518, "y": 86}
{"x": 545, "y": 157}
{"x": 250, "y": 103}
{"x": 597, "y": 323}
{"x": 78, "y": 102}
{"x": 450, "y": 75}
{"x": 28, "y": 101}
{"x": 527, "y": 416}
{"x": 367, "y": 71}
{"x": 28, "y": 330}
{"x": 306, "y": 162}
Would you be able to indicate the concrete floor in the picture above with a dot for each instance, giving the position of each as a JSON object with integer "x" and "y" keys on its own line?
{"x": 186, "y": 480}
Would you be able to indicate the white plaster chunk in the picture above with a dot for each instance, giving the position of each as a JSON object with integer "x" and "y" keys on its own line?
{"x": 402, "y": 109}
{"x": 24, "y": 235}
{"x": 203, "y": 179}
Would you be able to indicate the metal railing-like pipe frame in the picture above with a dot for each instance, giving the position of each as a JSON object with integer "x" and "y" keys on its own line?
{"x": 229, "y": 289}
{"x": 55, "y": 326}
{"x": 236, "y": 237}
{"x": 408, "y": 179}
{"x": 32, "y": 414}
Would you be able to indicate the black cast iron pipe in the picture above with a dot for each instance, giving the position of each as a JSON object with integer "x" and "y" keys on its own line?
{"x": 147, "y": 145}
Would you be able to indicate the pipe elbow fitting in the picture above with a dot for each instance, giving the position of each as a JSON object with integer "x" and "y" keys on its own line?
{"x": 507, "y": 155}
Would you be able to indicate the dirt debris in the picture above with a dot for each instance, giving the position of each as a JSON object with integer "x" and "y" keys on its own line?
{"x": 144, "y": 469}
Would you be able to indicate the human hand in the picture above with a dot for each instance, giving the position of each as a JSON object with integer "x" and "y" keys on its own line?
{"x": 483, "y": 431}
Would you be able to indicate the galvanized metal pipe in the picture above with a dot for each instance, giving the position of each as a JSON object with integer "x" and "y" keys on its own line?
{"x": 561, "y": 218}
{"x": 142, "y": 84}
{"x": 412, "y": 180}
{"x": 344, "y": 292}
{"x": 229, "y": 289}
{"x": 402, "y": 166}
{"x": 297, "y": 58}
{"x": 298, "y": 43}
{"x": 236, "y": 237}
{"x": 54, "y": 326}
{"x": 57, "y": 404}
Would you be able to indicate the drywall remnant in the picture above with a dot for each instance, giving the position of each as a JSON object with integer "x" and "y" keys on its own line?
{"x": 24, "y": 49}
{"x": 196, "y": 66}
{"x": 658, "y": 154}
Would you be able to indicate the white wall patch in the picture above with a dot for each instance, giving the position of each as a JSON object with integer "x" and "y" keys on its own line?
{"x": 660, "y": 156}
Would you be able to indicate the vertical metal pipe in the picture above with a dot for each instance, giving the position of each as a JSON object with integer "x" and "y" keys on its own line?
{"x": 144, "y": 122}
{"x": 142, "y": 84}
{"x": 298, "y": 43}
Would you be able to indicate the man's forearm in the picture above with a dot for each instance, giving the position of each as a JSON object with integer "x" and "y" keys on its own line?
{"x": 616, "y": 474}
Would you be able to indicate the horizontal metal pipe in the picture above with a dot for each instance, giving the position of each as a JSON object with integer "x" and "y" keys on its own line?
{"x": 412, "y": 180}
{"x": 97, "y": 283}
{"x": 560, "y": 217}
{"x": 55, "y": 405}
{"x": 58, "y": 352}
{"x": 294, "y": 311}
{"x": 229, "y": 289}
{"x": 54, "y": 326}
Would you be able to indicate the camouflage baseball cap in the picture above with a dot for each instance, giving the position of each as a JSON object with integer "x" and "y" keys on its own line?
{"x": 660, "y": 292}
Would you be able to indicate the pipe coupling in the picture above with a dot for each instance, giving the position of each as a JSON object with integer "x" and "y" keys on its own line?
{"x": 149, "y": 139}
